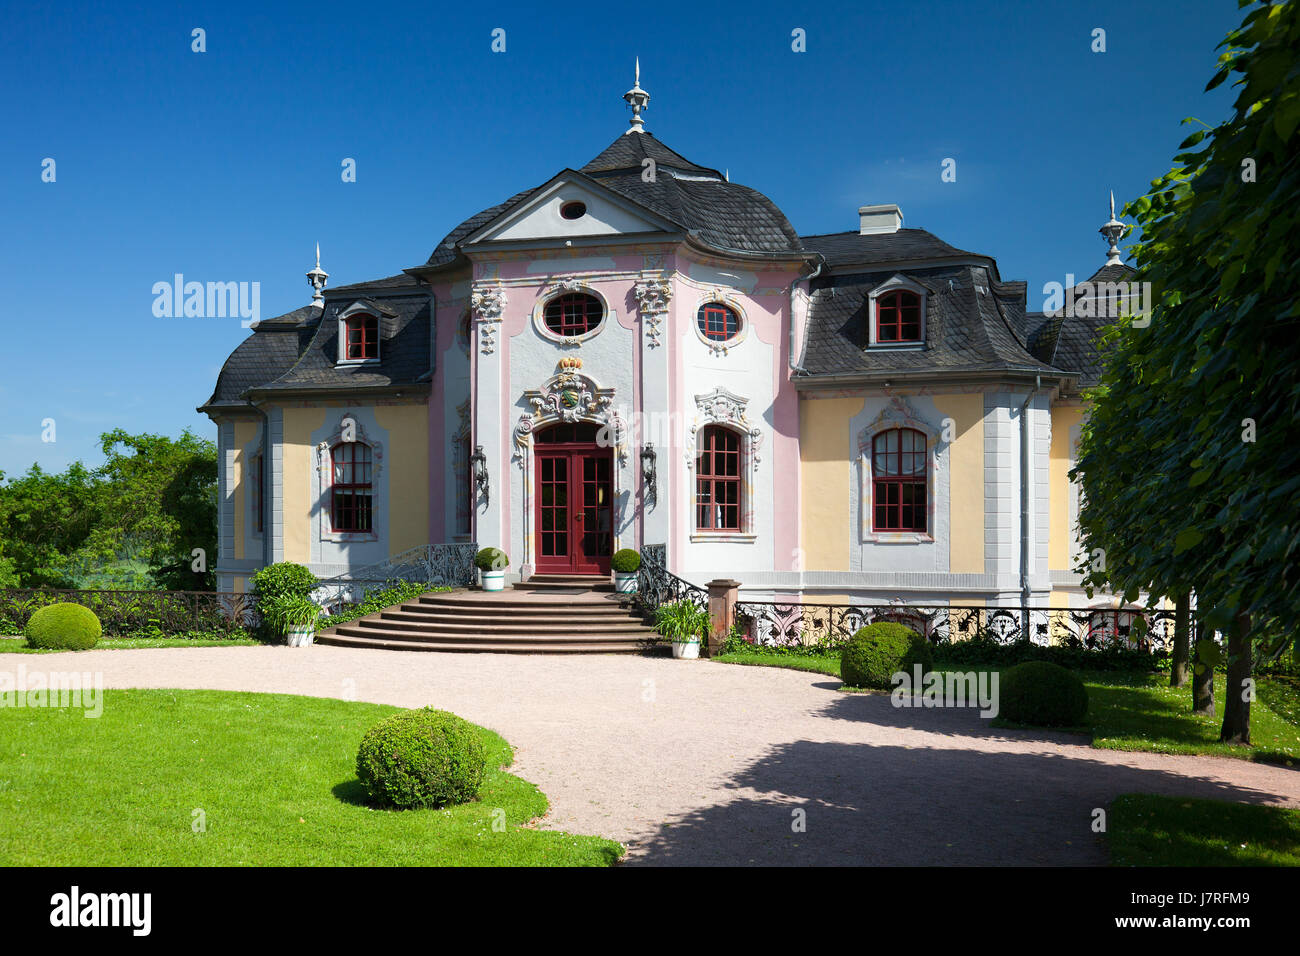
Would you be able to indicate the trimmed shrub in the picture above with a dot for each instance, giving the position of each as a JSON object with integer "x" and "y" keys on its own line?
{"x": 422, "y": 758}
{"x": 878, "y": 651}
{"x": 625, "y": 561}
{"x": 978, "y": 651}
{"x": 68, "y": 627}
{"x": 491, "y": 559}
{"x": 282, "y": 580}
{"x": 1037, "y": 692}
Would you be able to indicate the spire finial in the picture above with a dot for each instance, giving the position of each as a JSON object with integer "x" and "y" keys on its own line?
{"x": 316, "y": 277}
{"x": 1112, "y": 230}
{"x": 638, "y": 99}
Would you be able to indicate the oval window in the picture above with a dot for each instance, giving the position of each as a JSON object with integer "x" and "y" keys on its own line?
{"x": 718, "y": 322}
{"x": 573, "y": 210}
{"x": 573, "y": 314}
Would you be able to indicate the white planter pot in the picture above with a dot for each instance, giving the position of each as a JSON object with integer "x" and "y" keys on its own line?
{"x": 493, "y": 580}
{"x": 301, "y": 636}
{"x": 686, "y": 650}
{"x": 625, "y": 583}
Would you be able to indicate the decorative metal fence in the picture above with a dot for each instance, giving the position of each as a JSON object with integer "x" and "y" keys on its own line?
{"x": 793, "y": 623}
{"x": 449, "y": 564}
{"x": 135, "y": 613}
{"x": 656, "y": 585}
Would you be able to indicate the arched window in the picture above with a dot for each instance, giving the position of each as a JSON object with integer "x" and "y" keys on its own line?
{"x": 574, "y": 313}
{"x": 898, "y": 480}
{"x": 351, "y": 493}
{"x": 362, "y": 338}
{"x": 718, "y": 322}
{"x": 898, "y": 317}
{"x": 717, "y": 480}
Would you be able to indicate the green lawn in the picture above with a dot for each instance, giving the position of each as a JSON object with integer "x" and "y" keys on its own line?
{"x": 274, "y": 776}
{"x": 1145, "y": 830}
{"x": 17, "y": 645}
{"x": 1130, "y": 710}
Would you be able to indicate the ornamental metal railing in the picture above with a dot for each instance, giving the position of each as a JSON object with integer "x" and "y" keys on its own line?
{"x": 656, "y": 585}
{"x": 136, "y": 613}
{"x": 790, "y": 623}
{"x": 434, "y": 564}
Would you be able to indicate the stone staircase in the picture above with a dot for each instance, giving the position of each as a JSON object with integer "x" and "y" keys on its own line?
{"x": 548, "y": 614}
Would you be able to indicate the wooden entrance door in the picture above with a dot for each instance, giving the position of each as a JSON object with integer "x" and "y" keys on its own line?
{"x": 574, "y": 497}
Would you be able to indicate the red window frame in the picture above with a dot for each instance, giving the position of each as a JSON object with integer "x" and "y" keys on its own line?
{"x": 574, "y": 313}
{"x": 718, "y": 322}
{"x": 257, "y": 477}
{"x": 361, "y": 337}
{"x": 899, "y": 481}
{"x": 898, "y": 317}
{"x": 717, "y": 480}
{"x": 351, "y": 491}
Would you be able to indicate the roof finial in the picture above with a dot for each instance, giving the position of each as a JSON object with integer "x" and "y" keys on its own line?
{"x": 317, "y": 277}
{"x": 1113, "y": 230}
{"x": 638, "y": 99}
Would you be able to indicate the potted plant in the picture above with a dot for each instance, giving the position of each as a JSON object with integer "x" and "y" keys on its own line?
{"x": 685, "y": 624}
{"x": 293, "y": 616}
{"x": 492, "y": 564}
{"x": 625, "y": 564}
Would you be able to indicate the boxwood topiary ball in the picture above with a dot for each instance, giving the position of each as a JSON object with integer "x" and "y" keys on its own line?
{"x": 422, "y": 758}
{"x": 63, "y": 626}
{"x": 1037, "y": 692}
{"x": 878, "y": 651}
{"x": 626, "y": 561}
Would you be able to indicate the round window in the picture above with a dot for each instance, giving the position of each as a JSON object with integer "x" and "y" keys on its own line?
{"x": 718, "y": 322}
{"x": 573, "y": 210}
{"x": 575, "y": 313}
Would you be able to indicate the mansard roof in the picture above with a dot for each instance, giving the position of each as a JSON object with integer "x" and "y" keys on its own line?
{"x": 268, "y": 353}
{"x": 723, "y": 215}
{"x": 851, "y": 248}
{"x": 1070, "y": 341}
{"x": 973, "y": 324}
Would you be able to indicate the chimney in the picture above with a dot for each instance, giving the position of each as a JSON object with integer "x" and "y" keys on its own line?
{"x": 880, "y": 219}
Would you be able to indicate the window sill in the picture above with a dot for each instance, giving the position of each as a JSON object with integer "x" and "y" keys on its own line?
{"x": 723, "y": 537}
{"x": 898, "y": 537}
{"x": 345, "y": 537}
{"x": 341, "y": 363}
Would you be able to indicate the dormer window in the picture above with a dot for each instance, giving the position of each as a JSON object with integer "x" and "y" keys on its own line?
{"x": 897, "y": 314}
{"x": 361, "y": 338}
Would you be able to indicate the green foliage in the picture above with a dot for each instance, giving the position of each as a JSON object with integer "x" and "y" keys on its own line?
{"x": 421, "y": 758}
{"x": 625, "y": 561}
{"x": 376, "y": 599}
{"x": 985, "y": 651}
{"x": 152, "y": 502}
{"x": 1188, "y": 460}
{"x": 281, "y": 580}
{"x": 682, "y": 622}
{"x": 287, "y": 611}
{"x": 1148, "y": 830}
{"x": 878, "y": 651}
{"x": 63, "y": 626}
{"x": 1037, "y": 692}
{"x": 491, "y": 559}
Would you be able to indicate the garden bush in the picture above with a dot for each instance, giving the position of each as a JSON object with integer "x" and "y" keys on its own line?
{"x": 63, "y": 626}
{"x": 491, "y": 559}
{"x": 422, "y": 758}
{"x": 376, "y": 599}
{"x": 626, "y": 561}
{"x": 878, "y": 651}
{"x": 1038, "y": 692}
{"x": 986, "y": 651}
{"x": 282, "y": 580}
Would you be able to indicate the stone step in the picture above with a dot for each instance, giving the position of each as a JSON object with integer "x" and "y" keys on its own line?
{"x": 521, "y": 625}
{"x": 517, "y": 606}
{"x": 343, "y": 640}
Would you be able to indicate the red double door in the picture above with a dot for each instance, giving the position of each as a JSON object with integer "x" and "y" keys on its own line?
{"x": 574, "y": 500}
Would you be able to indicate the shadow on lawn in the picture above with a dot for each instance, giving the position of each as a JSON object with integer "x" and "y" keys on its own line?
{"x": 910, "y": 806}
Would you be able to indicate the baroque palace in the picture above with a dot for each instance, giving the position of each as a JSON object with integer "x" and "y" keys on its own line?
{"x": 640, "y": 352}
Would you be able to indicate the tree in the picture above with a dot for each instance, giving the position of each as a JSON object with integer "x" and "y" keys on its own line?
{"x": 1191, "y": 474}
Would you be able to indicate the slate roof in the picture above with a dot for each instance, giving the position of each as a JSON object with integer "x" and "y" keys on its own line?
{"x": 1069, "y": 341}
{"x": 850, "y": 248}
{"x": 268, "y": 353}
{"x": 969, "y": 326}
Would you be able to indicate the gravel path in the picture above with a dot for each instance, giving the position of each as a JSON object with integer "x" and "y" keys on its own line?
{"x": 703, "y": 763}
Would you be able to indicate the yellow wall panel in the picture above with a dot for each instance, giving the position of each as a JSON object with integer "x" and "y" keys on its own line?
{"x": 826, "y": 460}
{"x": 966, "y": 481}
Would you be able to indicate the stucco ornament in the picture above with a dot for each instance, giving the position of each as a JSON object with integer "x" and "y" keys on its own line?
{"x": 653, "y": 295}
{"x": 489, "y": 304}
{"x": 570, "y": 396}
{"x": 724, "y": 407}
{"x": 899, "y": 413}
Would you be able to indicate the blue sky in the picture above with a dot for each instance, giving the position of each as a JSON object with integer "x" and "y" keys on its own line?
{"x": 225, "y": 165}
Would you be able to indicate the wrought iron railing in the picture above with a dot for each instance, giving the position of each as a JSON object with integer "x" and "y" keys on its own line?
{"x": 656, "y": 585}
{"x": 789, "y": 623}
{"x": 447, "y": 564}
{"x": 133, "y": 613}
